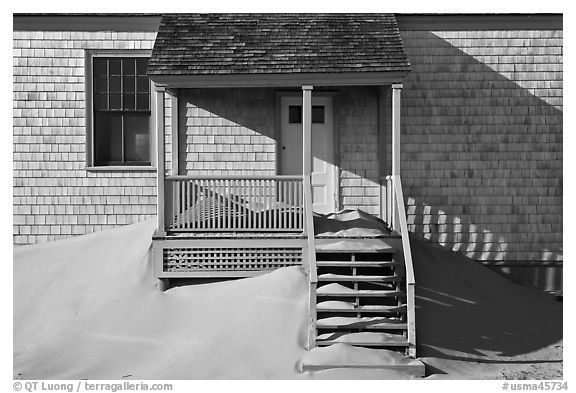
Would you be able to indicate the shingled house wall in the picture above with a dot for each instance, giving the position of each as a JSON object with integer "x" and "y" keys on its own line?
{"x": 481, "y": 141}
{"x": 356, "y": 119}
{"x": 227, "y": 131}
{"x": 54, "y": 195}
{"x": 482, "y": 145}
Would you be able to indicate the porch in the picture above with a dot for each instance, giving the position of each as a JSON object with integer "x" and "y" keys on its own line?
{"x": 241, "y": 226}
{"x": 249, "y": 222}
{"x": 222, "y": 218}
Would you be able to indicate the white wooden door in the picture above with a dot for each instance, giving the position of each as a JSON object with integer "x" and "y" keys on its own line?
{"x": 323, "y": 168}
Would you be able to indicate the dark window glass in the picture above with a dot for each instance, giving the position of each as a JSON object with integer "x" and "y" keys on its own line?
{"x": 143, "y": 101}
{"x": 100, "y": 66}
{"x": 107, "y": 138}
{"x": 115, "y": 66}
{"x": 121, "y": 96}
{"x": 129, "y": 101}
{"x": 115, "y": 84}
{"x": 115, "y": 101}
{"x": 129, "y": 67}
{"x": 143, "y": 85}
{"x": 295, "y": 114}
{"x": 101, "y": 84}
{"x": 141, "y": 65}
{"x": 318, "y": 114}
{"x": 128, "y": 84}
{"x": 100, "y": 102}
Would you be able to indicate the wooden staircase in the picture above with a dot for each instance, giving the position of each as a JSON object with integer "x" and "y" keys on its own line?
{"x": 361, "y": 294}
{"x": 361, "y": 300}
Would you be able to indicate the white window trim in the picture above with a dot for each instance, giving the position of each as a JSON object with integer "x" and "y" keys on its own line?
{"x": 89, "y": 109}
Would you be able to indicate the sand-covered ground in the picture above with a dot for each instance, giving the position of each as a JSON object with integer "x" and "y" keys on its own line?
{"x": 88, "y": 308}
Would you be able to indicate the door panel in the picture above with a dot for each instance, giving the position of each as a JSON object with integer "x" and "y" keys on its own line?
{"x": 323, "y": 168}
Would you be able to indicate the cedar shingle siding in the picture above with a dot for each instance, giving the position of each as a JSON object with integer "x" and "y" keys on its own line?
{"x": 482, "y": 141}
{"x": 54, "y": 196}
{"x": 217, "y": 44}
{"x": 227, "y": 131}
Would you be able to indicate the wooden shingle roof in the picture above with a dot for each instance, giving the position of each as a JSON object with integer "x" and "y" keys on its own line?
{"x": 244, "y": 44}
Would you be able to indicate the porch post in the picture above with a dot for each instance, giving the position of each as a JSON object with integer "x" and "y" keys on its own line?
{"x": 396, "y": 90}
{"x": 173, "y": 94}
{"x": 307, "y": 130}
{"x": 160, "y": 159}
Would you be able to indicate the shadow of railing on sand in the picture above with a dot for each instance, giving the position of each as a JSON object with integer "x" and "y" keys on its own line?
{"x": 467, "y": 312}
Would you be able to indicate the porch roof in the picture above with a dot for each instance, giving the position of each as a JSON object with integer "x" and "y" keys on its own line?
{"x": 213, "y": 47}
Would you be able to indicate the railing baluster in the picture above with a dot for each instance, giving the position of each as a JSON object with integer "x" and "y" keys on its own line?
{"x": 261, "y": 191}
{"x": 206, "y": 196}
{"x": 233, "y": 194}
{"x": 294, "y": 203}
{"x": 282, "y": 191}
{"x": 202, "y": 195}
{"x": 277, "y": 200}
{"x": 222, "y": 205}
{"x": 175, "y": 205}
{"x": 286, "y": 203}
{"x": 293, "y": 217}
{"x": 243, "y": 195}
{"x": 250, "y": 205}
{"x": 257, "y": 203}
{"x": 216, "y": 195}
{"x": 238, "y": 203}
{"x": 268, "y": 216}
{"x": 228, "y": 205}
{"x": 221, "y": 193}
{"x": 188, "y": 196}
{"x": 181, "y": 210}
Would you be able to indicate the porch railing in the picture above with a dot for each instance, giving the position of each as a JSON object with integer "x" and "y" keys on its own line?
{"x": 234, "y": 203}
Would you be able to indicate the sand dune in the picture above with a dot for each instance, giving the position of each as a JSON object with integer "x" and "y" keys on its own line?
{"x": 87, "y": 308}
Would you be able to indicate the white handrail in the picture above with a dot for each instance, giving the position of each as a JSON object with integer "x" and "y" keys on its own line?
{"x": 399, "y": 201}
{"x": 408, "y": 263}
{"x": 234, "y": 177}
{"x": 310, "y": 266}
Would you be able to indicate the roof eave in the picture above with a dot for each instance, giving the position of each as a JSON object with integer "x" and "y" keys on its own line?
{"x": 280, "y": 80}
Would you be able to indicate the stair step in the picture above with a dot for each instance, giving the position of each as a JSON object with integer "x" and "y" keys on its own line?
{"x": 343, "y": 277}
{"x": 356, "y": 263}
{"x": 323, "y": 249}
{"x": 334, "y": 290}
{"x": 341, "y": 356}
{"x": 355, "y": 246}
{"x": 417, "y": 369}
{"x": 364, "y": 323}
{"x": 364, "y": 339}
{"x": 345, "y": 307}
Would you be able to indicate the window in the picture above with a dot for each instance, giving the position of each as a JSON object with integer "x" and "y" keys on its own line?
{"x": 121, "y": 111}
{"x": 295, "y": 114}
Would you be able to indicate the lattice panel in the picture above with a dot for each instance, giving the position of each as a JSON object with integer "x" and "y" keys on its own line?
{"x": 230, "y": 259}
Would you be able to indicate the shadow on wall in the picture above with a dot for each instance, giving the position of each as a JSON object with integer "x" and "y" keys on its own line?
{"x": 233, "y": 131}
{"x": 227, "y": 131}
{"x": 481, "y": 154}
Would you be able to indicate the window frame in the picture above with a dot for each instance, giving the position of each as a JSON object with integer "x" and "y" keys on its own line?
{"x": 90, "y": 116}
